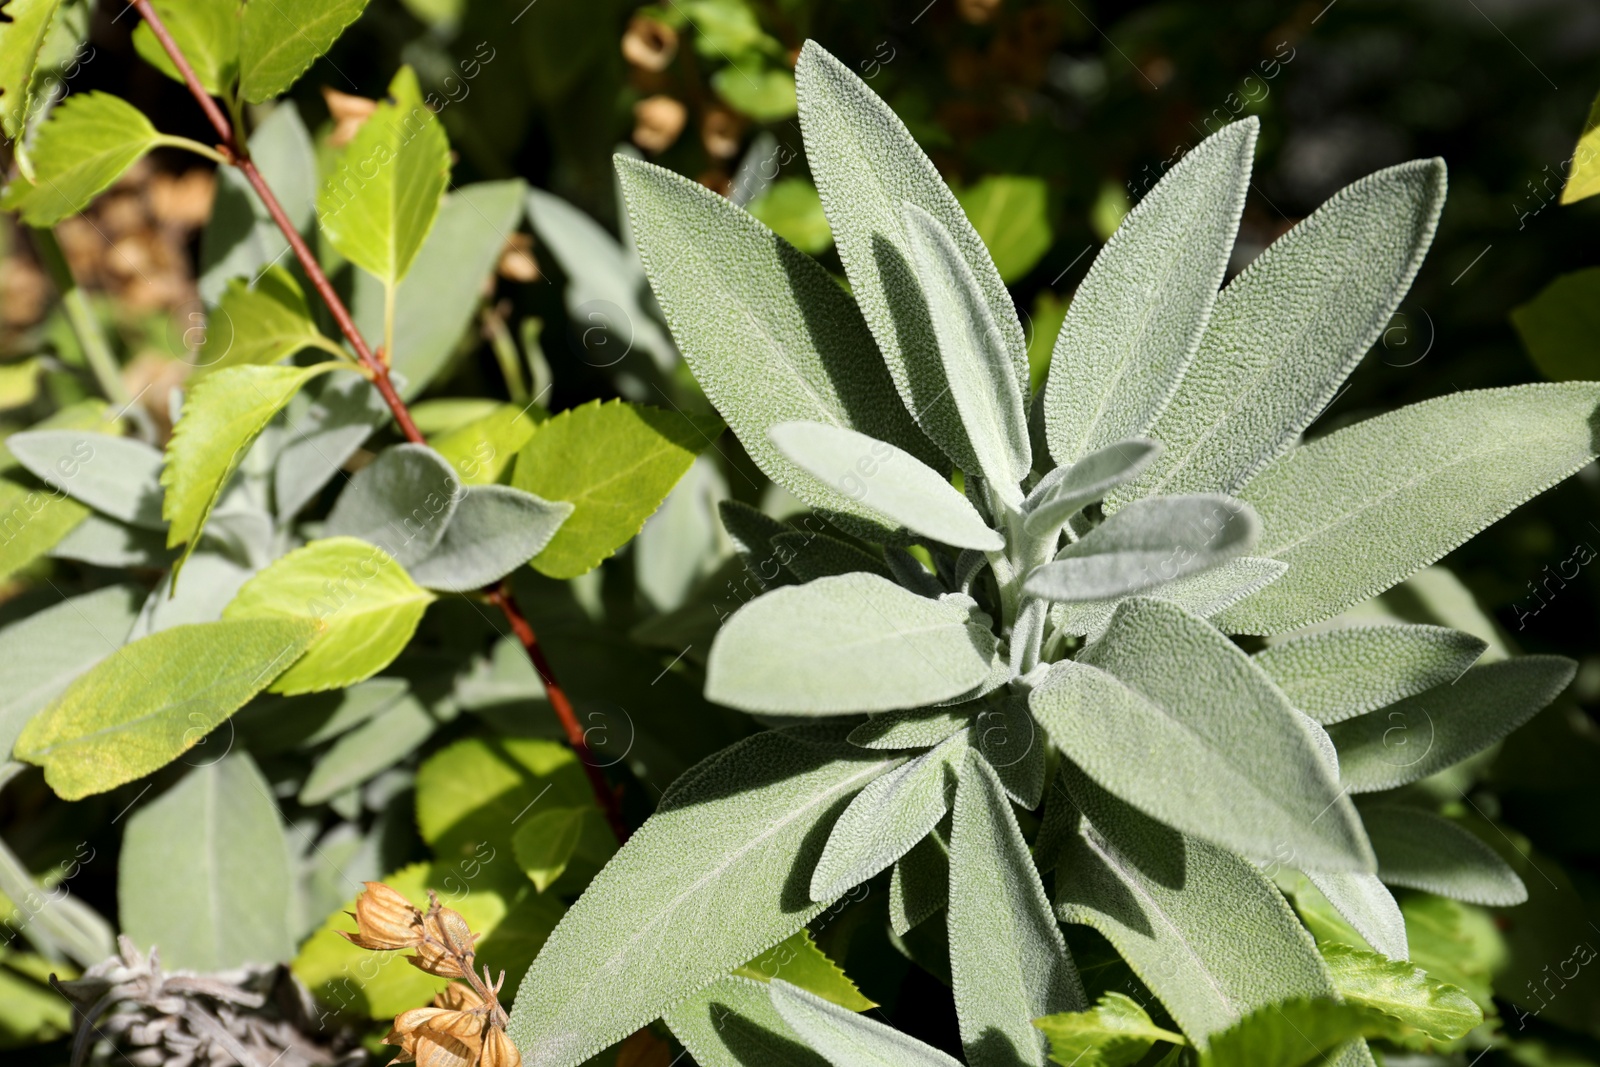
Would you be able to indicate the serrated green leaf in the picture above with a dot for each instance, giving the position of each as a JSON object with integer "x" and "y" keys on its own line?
{"x": 403, "y": 502}
{"x": 732, "y": 1023}
{"x": 973, "y": 351}
{"x": 85, "y": 145}
{"x": 544, "y": 844}
{"x": 155, "y": 699}
{"x": 890, "y": 483}
{"x": 1584, "y": 178}
{"x": 204, "y": 870}
{"x": 118, "y": 476}
{"x": 382, "y": 198}
{"x": 1356, "y": 511}
{"x": 265, "y": 322}
{"x": 615, "y": 463}
{"x": 495, "y": 530}
{"x": 849, "y": 1040}
{"x": 1456, "y": 943}
{"x": 1333, "y": 675}
{"x": 1363, "y": 902}
{"x": 1399, "y": 989}
{"x": 837, "y": 646}
{"x": 1420, "y": 850}
{"x": 866, "y": 165}
{"x": 1147, "y": 693}
{"x": 718, "y": 873}
{"x": 205, "y": 31}
{"x": 1291, "y": 327}
{"x": 797, "y": 961}
{"x": 1010, "y": 213}
{"x": 769, "y": 335}
{"x": 1140, "y": 311}
{"x": 1146, "y": 544}
{"x": 1559, "y": 326}
{"x": 481, "y": 448}
{"x": 22, "y": 36}
{"x": 223, "y": 414}
{"x": 1421, "y": 735}
{"x": 1205, "y": 594}
{"x": 369, "y": 749}
{"x": 280, "y": 39}
{"x": 792, "y": 209}
{"x": 1296, "y": 1033}
{"x": 1009, "y": 962}
{"x": 1116, "y": 1032}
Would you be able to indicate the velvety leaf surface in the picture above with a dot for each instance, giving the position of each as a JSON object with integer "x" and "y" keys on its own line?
{"x": 846, "y": 1039}
{"x": 1420, "y": 850}
{"x": 733, "y": 1023}
{"x": 495, "y": 530}
{"x": 324, "y": 426}
{"x": 403, "y": 502}
{"x": 369, "y": 749}
{"x": 1066, "y": 490}
{"x": 1333, "y": 675}
{"x": 1363, "y": 902}
{"x": 118, "y": 476}
{"x": 1205, "y": 593}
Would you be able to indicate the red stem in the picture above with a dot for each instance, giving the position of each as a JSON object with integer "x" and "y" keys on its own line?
{"x": 377, "y": 368}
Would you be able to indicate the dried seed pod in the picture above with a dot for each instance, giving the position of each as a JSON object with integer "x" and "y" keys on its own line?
{"x": 977, "y": 12}
{"x": 384, "y": 920}
{"x": 719, "y": 133}
{"x": 498, "y": 1051}
{"x": 657, "y": 122}
{"x": 450, "y": 1039}
{"x": 649, "y": 44}
{"x": 458, "y": 997}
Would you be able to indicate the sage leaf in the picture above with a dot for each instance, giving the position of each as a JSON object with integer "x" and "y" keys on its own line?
{"x": 280, "y": 39}
{"x": 1334, "y": 675}
{"x": 222, "y": 416}
{"x": 770, "y": 336}
{"x": 1424, "y": 734}
{"x": 809, "y": 556}
{"x": 733, "y": 1023}
{"x": 117, "y": 476}
{"x": 1363, "y": 902}
{"x": 1557, "y": 327}
{"x": 886, "y": 819}
{"x": 366, "y": 605}
{"x": 614, "y": 463}
{"x": 894, "y": 486}
{"x": 1420, "y": 850}
{"x": 323, "y": 427}
{"x": 1397, "y": 988}
{"x": 41, "y": 654}
{"x": 1068, "y": 489}
{"x": 976, "y": 358}
{"x": 23, "y": 38}
{"x": 798, "y": 961}
{"x": 1012, "y": 744}
{"x": 1210, "y": 936}
{"x": 1356, "y": 511}
{"x": 367, "y": 751}
{"x": 718, "y": 873}
{"x": 866, "y": 165}
{"x": 483, "y": 448}
{"x": 544, "y": 845}
{"x": 36, "y": 520}
{"x": 1146, "y": 544}
{"x": 1204, "y": 593}
{"x": 846, "y": 1039}
{"x": 265, "y": 322}
{"x": 382, "y": 198}
{"x": 837, "y": 646}
{"x": 1291, "y": 327}
{"x": 913, "y": 728}
{"x": 204, "y": 870}
{"x": 1008, "y": 959}
{"x": 240, "y": 238}
{"x": 1139, "y": 313}
{"x": 1116, "y": 1032}
{"x": 87, "y": 143}
{"x": 403, "y": 502}
{"x": 205, "y": 31}
{"x": 1150, "y": 693}
{"x": 495, "y": 530}
{"x": 143, "y": 707}
{"x": 920, "y": 884}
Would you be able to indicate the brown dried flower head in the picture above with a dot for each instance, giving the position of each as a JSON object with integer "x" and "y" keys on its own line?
{"x": 649, "y": 44}
{"x": 385, "y": 920}
{"x": 657, "y": 122}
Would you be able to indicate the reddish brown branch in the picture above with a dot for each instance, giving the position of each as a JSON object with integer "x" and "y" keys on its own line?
{"x": 235, "y": 150}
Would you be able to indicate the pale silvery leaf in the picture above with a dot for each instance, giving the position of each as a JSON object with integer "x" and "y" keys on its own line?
{"x": 1363, "y": 508}
{"x": 495, "y": 529}
{"x": 215, "y": 578}
{"x": 733, "y": 1023}
{"x": 369, "y": 750}
{"x": 402, "y": 502}
{"x": 1146, "y": 544}
{"x": 977, "y": 362}
{"x": 866, "y": 165}
{"x": 841, "y": 645}
{"x": 1237, "y": 767}
{"x": 768, "y": 333}
{"x": 913, "y": 728}
{"x": 1365, "y": 904}
{"x": 1066, "y": 490}
{"x": 720, "y": 872}
{"x": 325, "y": 424}
{"x": 1210, "y": 936}
{"x": 896, "y": 486}
{"x": 920, "y": 884}
{"x": 1140, "y": 311}
{"x": 886, "y": 819}
{"x": 1291, "y": 327}
{"x": 118, "y": 476}
{"x": 1008, "y": 959}
{"x": 909, "y": 572}
{"x": 1013, "y": 744}
{"x": 1420, "y": 850}
{"x": 1333, "y": 675}
{"x": 846, "y": 1039}
{"x": 109, "y": 543}
{"x": 1204, "y": 594}
{"x": 1421, "y": 735}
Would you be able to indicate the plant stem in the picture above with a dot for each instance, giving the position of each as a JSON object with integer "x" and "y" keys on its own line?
{"x": 80, "y": 316}
{"x": 234, "y": 151}
{"x": 506, "y": 354}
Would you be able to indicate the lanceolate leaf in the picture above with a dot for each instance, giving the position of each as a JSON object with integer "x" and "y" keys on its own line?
{"x": 1204, "y": 593}
{"x": 204, "y": 870}
{"x": 495, "y": 530}
{"x": 1139, "y": 312}
{"x": 720, "y": 872}
{"x": 1420, "y": 850}
{"x": 848, "y": 644}
{"x": 1335, "y": 675}
{"x": 846, "y": 1039}
{"x": 156, "y": 699}
{"x": 205, "y": 31}
{"x": 1009, "y": 962}
{"x": 1066, "y": 490}
{"x": 1397, "y": 988}
{"x": 369, "y": 749}
{"x": 1300, "y": 1032}
{"x": 1363, "y": 902}
{"x": 769, "y": 335}
{"x": 733, "y": 1023}
{"x": 1433, "y": 730}
{"x": 1288, "y": 330}
{"x": 1116, "y": 1032}
{"x": 114, "y": 475}
{"x": 1356, "y": 511}
{"x": 809, "y": 556}
{"x": 1164, "y": 689}
{"x": 279, "y": 39}
{"x": 977, "y": 361}
{"x": 920, "y": 885}
{"x": 323, "y": 429}
{"x": 85, "y": 145}
{"x": 1148, "y": 543}
{"x": 866, "y": 166}
{"x": 798, "y": 961}
{"x": 891, "y": 484}
{"x": 222, "y": 415}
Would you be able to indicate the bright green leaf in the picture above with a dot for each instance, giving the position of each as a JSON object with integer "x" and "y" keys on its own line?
{"x": 1402, "y": 990}
{"x": 544, "y": 844}
{"x": 1116, "y": 1032}
{"x": 792, "y": 209}
{"x": 261, "y": 324}
{"x": 1583, "y": 179}
{"x": 279, "y": 39}
{"x": 1560, "y": 327}
{"x": 85, "y": 145}
{"x": 1010, "y": 213}
{"x": 763, "y": 93}
{"x": 205, "y": 31}
{"x": 798, "y": 961}
{"x": 22, "y": 36}
{"x": 481, "y": 448}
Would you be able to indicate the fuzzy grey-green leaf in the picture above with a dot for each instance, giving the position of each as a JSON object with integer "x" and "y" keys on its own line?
{"x": 846, "y": 1039}
{"x": 1333, "y": 675}
{"x": 1420, "y": 850}
{"x": 1363, "y": 902}
{"x": 494, "y": 530}
{"x": 1204, "y": 593}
